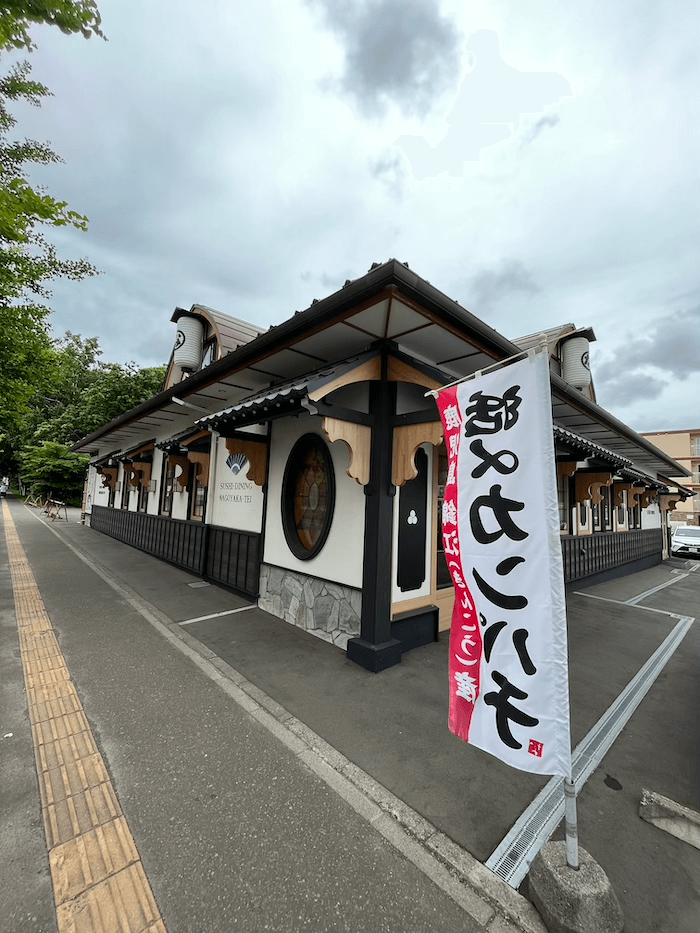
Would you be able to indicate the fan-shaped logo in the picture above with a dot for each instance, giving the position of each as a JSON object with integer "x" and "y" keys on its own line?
{"x": 237, "y": 463}
{"x": 179, "y": 339}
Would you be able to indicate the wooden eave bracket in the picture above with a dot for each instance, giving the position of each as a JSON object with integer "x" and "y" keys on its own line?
{"x": 588, "y": 486}
{"x": 618, "y": 489}
{"x": 407, "y": 439}
{"x": 109, "y": 476}
{"x": 667, "y": 503}
{"x": 634, "y": 494}
{"x": 256, "y": 452}
{"x": 130, "y": 474}
{"x": 648, "y": 497}
{"x": 358, "y": 440}
{"x": 566, "y": 468}
{"x": 183, "y": 477}
{"x": 201, "y": 464}
{"x": 145, "y": 470}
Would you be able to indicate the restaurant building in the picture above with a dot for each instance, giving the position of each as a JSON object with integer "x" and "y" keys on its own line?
{"x": 303, "y": 466}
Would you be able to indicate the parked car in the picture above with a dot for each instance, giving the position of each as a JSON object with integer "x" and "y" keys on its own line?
{"x": 686, "y": 541}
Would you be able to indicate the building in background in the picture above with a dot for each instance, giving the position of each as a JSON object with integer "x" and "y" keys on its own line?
{"x": 304, "y": 467}
{"x": 684, "y": 447}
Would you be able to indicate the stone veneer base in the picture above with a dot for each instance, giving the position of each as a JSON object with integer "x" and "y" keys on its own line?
{"x": 330, "y": 611}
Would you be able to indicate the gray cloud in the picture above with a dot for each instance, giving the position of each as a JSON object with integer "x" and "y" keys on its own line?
{"x": 399, "y": 51}
{"x": 492, "y": 100}
{"x": 629, "y": 388}
{"x": 215, "y": 169}
{"x": 534, "y": 131}
{"x": 390, "y": 171}
{"x": 642, "y": 368}
{"x": 672, "y": 344}
{"x": 489, "y": 286}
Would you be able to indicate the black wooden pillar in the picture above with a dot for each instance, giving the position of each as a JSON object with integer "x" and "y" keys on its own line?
{"x": 375, "y": 649}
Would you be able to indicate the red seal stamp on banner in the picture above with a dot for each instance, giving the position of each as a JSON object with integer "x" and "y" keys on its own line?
{"x": 535, "y": 748}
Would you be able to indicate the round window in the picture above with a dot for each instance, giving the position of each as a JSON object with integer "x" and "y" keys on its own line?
{"x": 308, "y": 496}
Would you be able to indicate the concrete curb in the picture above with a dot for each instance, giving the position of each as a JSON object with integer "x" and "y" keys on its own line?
{"x": 670, "y": 816}
{"x": 483, "y": 895}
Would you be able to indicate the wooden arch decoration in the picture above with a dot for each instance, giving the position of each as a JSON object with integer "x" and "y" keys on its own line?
{"x": 407, "y": 439}
{"x": 358, "y": 439}
{"x": 369, "y": 371}
{"x": 648, "y": 497}
{"x": 256, "y": 452}
{"x": 566, "y": 467}
{"x": 183, "y": 477}
{"x": 398, "y": 371}
{"x": 588, "y": 486}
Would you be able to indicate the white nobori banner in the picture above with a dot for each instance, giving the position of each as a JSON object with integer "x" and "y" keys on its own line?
{"x": 509, "y": 691}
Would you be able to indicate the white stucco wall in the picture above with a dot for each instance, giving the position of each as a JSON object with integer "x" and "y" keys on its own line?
{"x": 651, "y": 516}
{"x": 233, "y": 500}
{"x": 340, "y": 559}
{"x": 154, "y": 492}
{"x": 97, "y": 493}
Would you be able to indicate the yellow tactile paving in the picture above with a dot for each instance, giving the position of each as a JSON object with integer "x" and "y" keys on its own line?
{"x": 65, "y": 751}
{"x": 44, "y": 678}
{"x": 71, "y": 779}
{"x": 45, "y": 696}
{"x": 99, "y": 882}
{"x": 81, "y": 813}
{"x": 119, "y": 904}
{"x": 58, "y": 727}
{"x": 90, "y": 858}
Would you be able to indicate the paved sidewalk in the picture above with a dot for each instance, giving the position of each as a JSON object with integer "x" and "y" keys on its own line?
{"x": 392, "y": 726}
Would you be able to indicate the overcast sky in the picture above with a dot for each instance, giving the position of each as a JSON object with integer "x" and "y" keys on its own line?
{"x": 536, "y": 162}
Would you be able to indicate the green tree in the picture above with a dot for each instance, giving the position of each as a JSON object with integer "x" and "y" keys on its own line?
{"x": 79, "y": 394}
{"x": 85, "y": 393}
{"x": 49, "y": 468}
{"x": 18, "y": 16}
{"x": 27, "y": 260}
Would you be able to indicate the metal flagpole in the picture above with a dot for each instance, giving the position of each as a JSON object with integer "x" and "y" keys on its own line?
{"x": 479, "y": 372}
{"x": 571, "y": 823}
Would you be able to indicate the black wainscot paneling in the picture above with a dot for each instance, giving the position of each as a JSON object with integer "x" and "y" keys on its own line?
{"x": 222, "y": 555}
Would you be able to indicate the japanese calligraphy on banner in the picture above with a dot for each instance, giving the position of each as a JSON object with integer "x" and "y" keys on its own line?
{"x": 509, "y": 691}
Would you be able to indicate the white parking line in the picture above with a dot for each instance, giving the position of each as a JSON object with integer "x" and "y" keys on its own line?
{"x": 216, "y": 615}
{"x": 512, "y": 858}
{"x": 654, "y": 589}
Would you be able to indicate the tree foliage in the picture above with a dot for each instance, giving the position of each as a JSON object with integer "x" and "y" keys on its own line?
{"x": 84, "y": 393}
{"x": 52, "y": 392}
{"x": 18, "y": 16}
{"x": 78, "y": 395}
{"x": 28, "y": 261}
{"x": 50, "y": 469}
